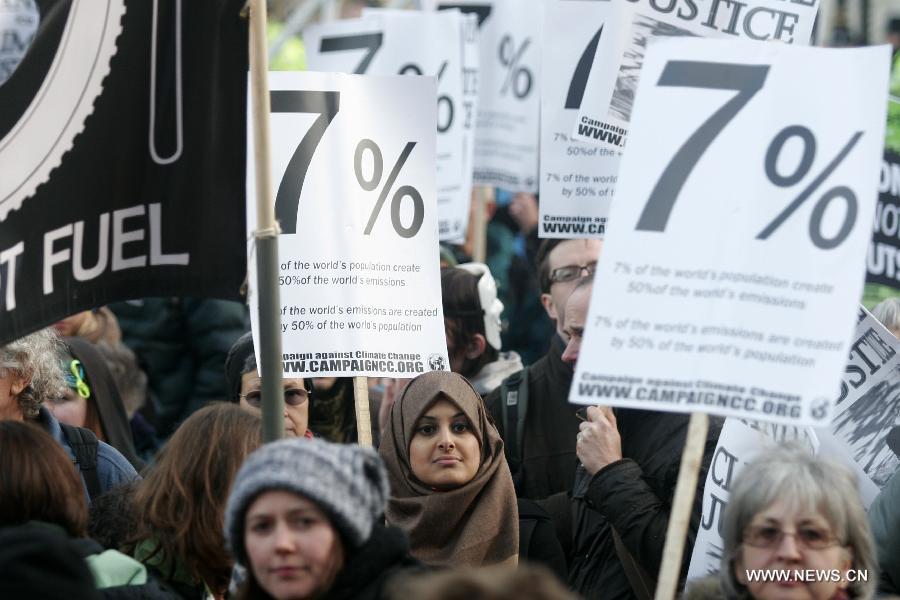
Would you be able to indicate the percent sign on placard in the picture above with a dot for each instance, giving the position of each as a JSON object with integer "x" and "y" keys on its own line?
{"x": 747, "y": 80}
{"x": 818, "y": 213}
{"x": 403, "y": 191}
{"x": 448, "y": 102}
{"x": 510, "y": 56}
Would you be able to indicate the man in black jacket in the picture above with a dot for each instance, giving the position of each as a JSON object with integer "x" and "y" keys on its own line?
{"x": 630, "y": 460}
{"x": 546, "y": 450}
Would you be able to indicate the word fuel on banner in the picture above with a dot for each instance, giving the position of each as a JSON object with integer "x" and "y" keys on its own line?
{"x": 130, "y": 238}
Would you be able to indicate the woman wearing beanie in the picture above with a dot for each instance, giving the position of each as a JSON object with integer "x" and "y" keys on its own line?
{"x": 305, "y": 517}
{"x": 451, "y": 488}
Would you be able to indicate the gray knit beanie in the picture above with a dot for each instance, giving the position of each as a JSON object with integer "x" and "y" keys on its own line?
{"x": 347, "y": 482}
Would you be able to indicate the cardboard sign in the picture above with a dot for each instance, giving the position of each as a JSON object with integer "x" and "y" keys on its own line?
{"x": 746, "y": 229}
{"x": 578, "y": 180}
{"x": 353, "y": 165}
{"x": 394, "y": 42}
{"x": 606, "y": 111}
{"x": 506, "y": 135}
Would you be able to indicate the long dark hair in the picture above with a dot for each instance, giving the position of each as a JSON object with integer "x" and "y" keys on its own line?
{"x": 181, "y": 501}
{"x": 464, "y": 316}
{"x": 38, "y": 481}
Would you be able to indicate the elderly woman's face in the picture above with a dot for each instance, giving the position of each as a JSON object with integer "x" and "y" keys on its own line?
{"x": 296, "y": 402}
{"x": 294, "y": 550}
{"x": 444, "y": 452}
{"x": 781, "y": 540}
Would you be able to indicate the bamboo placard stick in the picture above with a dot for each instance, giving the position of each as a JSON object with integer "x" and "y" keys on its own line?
{"x": 363, "y": 415}
{"x": 680, "y": 517}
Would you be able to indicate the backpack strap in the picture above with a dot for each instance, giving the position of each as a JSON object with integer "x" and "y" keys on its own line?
{"x": 643, "y": 585}
{"x": 84, "y": 446}
{"x": 514, "y": 396}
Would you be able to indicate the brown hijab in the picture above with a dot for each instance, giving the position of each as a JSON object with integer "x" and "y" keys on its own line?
{"x": 473, "y": 525}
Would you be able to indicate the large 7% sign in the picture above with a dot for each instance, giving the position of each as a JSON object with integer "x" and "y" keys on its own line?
{"x": 711, "y": 292}
{"x": 747, "y": 80}
{"x": 326, "y": 106}
{"x": 356, "y": 203}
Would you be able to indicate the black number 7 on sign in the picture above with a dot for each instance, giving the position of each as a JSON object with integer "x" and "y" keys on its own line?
{"x": 747, "y": 80}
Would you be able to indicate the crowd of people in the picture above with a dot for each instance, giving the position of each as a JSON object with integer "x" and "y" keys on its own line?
{"x": 132, "y": 466}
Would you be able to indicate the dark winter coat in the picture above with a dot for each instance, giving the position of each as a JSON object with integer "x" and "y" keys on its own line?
{"x": 635, "y": 496}
{"x": 548, "y": 444}
{"x": 181, "y": 344}
{"x": 369, "y": 569}
{"x": 537, "y": 539}
{"x": 884, "y": 517}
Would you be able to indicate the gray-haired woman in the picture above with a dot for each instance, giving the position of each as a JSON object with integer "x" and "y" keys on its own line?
{"x": 30, "y": 375}
{"x": 795, "y": 528}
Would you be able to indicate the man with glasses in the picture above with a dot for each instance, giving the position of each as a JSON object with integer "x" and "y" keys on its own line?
{"x": 244, "y": 387}
{"x": 531, "y": 408}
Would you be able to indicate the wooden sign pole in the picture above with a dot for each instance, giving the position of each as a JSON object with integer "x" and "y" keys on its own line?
{"x": 363, "y": 415}
{"x": 680, "y": 517}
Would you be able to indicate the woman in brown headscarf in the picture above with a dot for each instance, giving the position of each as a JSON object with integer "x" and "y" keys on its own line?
{"x": 451, "y": 490}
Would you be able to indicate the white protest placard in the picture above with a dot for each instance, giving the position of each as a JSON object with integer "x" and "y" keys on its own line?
{"x": 746, "y": 228}
{"x": 354, "y": 186}
{"x": 578, "y": 180}
{"x": 606, "y": 111}
{"x": 507, "y": 128}
{"x": 395, "y": 42}
{"x": 867, "y": 410}
{"x": 471, "y": 65}
{"x": 739, "y": 443}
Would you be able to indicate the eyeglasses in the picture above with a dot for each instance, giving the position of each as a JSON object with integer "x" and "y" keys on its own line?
{"x": 766, "y": 536}
{"x": 571, "y": 272}
{"x": 292, "y": 397}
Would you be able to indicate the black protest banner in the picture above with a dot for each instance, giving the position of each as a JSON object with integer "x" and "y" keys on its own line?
{"x": 883, "y": 262}
{"x": 122, "y": 157}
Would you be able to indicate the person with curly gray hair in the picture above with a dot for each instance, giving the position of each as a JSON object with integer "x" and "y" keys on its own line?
{"x": 795, "y": 527}
{"x": 30, "y": 375}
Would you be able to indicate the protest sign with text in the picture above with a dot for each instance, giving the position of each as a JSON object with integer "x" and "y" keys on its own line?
{"x": 884, "y": 252}
{"x": 577, "y": 180}
{"x": 739, "y": 443}
{"x": 353, "y": 179}
{"x": 507, "y": 130}
{"x": 865, "y": 429}
{"x": 121, "y": 172}
{"x": 608, "y": 101}
{"x": 394, "y": 42}
{"x": 868, "y": 410}
{"x": 746, "y": 229}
